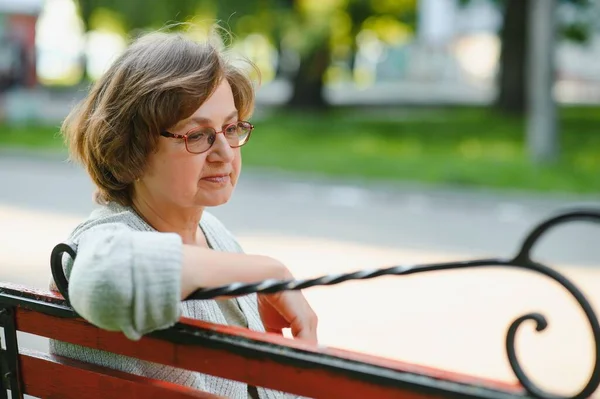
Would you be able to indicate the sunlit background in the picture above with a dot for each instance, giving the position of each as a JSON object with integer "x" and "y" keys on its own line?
{"x": 387, "y": 131}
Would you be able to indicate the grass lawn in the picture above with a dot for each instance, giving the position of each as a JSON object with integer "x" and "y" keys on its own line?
{"x": 465, "y": 146}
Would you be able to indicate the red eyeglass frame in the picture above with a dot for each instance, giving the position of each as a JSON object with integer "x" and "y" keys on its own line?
{"x": 166, "y": 133}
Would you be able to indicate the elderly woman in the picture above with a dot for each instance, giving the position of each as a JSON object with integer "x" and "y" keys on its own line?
{"x": 160, "y": 136}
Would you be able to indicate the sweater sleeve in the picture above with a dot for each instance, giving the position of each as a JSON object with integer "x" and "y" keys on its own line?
{"x": 127, "y": 280}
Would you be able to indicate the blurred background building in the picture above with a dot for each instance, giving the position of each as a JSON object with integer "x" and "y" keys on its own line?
{"x": 18, "y": 40}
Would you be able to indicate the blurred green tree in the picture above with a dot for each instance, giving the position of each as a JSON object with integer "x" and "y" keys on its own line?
{"x": 127, "y": 17}
{"x": 512, "y": 84}
{"x": 310, "y": 30}
{"x": 132, "y": 15}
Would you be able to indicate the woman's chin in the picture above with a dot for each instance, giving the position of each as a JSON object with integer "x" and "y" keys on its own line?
{"x": 215, "y": 200}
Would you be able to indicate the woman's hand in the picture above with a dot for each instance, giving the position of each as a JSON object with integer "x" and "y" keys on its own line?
{"x": 288, "y": 309}
{"x": 285, "y": 309}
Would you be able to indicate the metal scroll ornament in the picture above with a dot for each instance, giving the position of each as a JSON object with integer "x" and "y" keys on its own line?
{"x": 522, "y": 261}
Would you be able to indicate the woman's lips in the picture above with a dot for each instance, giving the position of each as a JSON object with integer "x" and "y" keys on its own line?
{"x": 217, "y": 179}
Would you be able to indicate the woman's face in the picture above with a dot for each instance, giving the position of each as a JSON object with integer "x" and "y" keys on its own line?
{"x": 175, "y": 176}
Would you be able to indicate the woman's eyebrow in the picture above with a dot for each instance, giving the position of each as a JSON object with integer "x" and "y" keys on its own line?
{"x": 202, "y": 120}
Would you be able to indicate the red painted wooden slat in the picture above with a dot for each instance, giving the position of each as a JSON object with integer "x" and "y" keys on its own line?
{"x": 219, "y": 362}
{"x": 53, "y": 296}
{"x": 47, "y": 376}
{"x": 357, "y": 356}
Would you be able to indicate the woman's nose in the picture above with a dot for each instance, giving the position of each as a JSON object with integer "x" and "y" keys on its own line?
{"x": 221, "y": 150}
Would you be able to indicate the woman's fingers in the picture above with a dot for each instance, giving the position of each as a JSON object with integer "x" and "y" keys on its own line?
{"x": 305, "y": 325}
{"x": 288, "y": 309}
{"x": 306, "y": 334}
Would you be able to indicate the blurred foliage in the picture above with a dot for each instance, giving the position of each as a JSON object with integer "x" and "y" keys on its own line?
{"x": 323, "y": 36}
{"x": 577, "y": 29}
{"x": 314, "y": 30}
{"x": 577, "y": 32}
{"x": 455, "y": 146}
{"x": 512, "y": 92}
{"x": 135, "y": 14}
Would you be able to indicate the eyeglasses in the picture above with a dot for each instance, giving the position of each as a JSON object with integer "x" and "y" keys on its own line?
{"x": 201, "y": 139}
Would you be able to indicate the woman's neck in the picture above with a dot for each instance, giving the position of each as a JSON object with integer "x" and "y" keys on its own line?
{"x": 168, "y": 218}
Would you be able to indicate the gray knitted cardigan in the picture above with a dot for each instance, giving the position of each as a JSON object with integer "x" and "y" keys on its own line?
{"x": 127, "y": 277}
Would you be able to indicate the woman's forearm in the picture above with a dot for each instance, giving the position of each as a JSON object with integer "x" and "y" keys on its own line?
{"x": 204, "y": 267}
{"x": 132, "y": 281}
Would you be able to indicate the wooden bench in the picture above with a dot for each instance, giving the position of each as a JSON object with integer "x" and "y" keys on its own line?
{"x": 259, "y": 359}
{"x": 235, "y": 353}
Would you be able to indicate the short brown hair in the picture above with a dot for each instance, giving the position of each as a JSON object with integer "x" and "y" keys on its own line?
{"x": 160, "y": 79}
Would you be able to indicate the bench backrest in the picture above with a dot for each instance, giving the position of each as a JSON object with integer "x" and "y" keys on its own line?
{"x": 235, "y": 353}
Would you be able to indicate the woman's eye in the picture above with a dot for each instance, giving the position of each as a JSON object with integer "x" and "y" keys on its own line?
{"x": 231, "y": 130}
{"x": 196, "y": 136}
